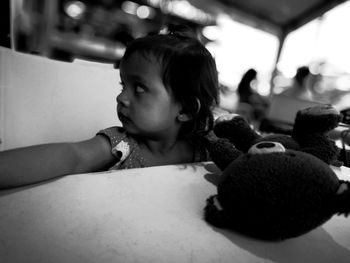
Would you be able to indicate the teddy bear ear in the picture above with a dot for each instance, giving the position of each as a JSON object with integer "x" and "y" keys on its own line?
{"x": 341, "y": 203}
{"x": 237, "y": 130}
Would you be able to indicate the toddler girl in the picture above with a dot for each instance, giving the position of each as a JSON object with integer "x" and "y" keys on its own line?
{"x": 169, "y": 85}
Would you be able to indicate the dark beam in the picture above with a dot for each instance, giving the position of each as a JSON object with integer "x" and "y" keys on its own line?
{"x": 310, "y": 14}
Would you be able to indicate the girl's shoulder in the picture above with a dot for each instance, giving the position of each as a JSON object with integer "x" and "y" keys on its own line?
{"x": 115, "y": 134}
{"x": 124, "y": 147}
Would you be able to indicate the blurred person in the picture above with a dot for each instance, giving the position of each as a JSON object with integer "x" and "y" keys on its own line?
{"x": 300, "y": 88}
{"x": 249, "y": 98}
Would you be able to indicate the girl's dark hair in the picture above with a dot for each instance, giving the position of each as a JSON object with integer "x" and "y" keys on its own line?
{"x": 188, "y": 70}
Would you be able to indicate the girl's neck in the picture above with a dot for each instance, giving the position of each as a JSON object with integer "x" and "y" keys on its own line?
{"x": 160, "y": 146}
{"x": 166, "y": 152}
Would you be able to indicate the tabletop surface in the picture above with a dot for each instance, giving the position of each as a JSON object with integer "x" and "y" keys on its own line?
{"x": 144, "y": 215}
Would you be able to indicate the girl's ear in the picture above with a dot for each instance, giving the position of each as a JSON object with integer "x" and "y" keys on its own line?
{"x": 184, "y": 116}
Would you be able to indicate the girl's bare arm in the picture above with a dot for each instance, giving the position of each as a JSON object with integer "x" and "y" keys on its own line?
{"x": 38, "y": 163}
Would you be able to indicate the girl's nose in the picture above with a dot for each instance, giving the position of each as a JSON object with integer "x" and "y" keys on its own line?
{"x": 123, "y": 99}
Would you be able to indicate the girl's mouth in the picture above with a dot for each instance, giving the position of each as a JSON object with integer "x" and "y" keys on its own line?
{"x": 123, "y": 118}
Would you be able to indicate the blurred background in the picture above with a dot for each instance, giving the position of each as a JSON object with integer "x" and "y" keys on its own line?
{"x": 274, "y": 37}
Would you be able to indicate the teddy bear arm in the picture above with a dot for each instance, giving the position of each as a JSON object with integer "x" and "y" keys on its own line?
{"x": 322, "y": 147}
{"x": 341, "y": 202}
{"x": 215, "y": 216}
{"x": 221, "y": 151}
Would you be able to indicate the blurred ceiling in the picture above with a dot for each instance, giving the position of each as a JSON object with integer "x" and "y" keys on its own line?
{"x": 278, "y": 17}
{"x": 100, "y": 29}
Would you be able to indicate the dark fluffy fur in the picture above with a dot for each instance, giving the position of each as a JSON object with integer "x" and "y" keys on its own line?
{"x": 279, "y": 195}
{"x": 309, "y": 134}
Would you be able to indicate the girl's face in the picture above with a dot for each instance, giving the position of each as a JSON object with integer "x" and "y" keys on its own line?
{"x": 145, "y": 107}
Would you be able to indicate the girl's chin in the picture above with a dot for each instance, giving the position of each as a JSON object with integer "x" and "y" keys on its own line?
{"x": 128, "y": 127}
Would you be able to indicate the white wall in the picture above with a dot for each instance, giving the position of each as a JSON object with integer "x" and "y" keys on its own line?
{"x": 43, "y": 100}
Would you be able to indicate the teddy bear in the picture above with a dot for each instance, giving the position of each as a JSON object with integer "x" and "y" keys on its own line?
{"x": 276, "y": 187}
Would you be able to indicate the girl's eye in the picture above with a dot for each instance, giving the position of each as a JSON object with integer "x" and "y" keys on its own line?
{"x": 139, "y": 89}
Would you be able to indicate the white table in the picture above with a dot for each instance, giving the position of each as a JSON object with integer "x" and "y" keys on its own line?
{"x": 143, "y": 215}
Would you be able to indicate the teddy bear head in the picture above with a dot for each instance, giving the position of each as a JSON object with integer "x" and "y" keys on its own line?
{"x": 310, "y": 132}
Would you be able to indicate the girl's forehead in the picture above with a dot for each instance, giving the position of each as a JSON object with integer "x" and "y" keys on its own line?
{"x": 138, "y": 62}
{"x": 141, "y": 55}
{"x": 139, "y": 58}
